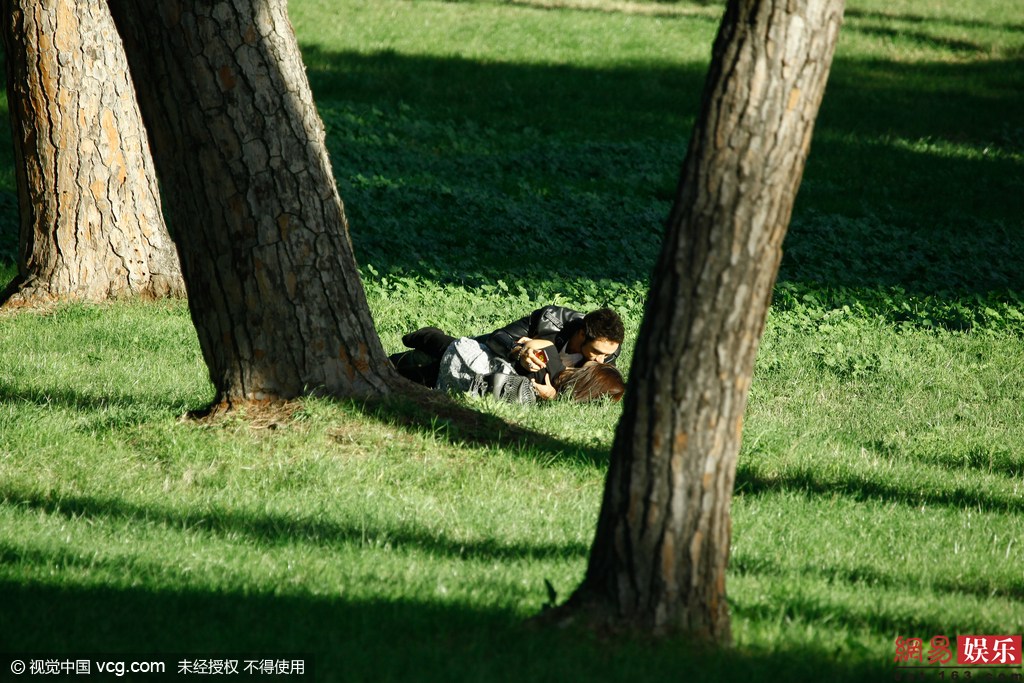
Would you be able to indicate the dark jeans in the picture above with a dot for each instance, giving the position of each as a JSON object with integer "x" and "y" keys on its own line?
{"x": 422, "y": 363}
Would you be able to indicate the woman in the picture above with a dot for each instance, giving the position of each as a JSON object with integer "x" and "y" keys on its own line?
{"x": 592, "y": 381}
{"x": 467, "y": 365}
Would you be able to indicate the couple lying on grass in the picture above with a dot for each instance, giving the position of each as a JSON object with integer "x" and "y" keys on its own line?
{"x": 554, "y": 351}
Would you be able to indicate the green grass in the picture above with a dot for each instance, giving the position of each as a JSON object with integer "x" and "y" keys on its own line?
{"x": 879, "y": 488}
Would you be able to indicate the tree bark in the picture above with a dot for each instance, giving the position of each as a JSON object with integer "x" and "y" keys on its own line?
{"x": 661, "y": 549}
{"x": 274, "y": 290}
{"x": 91, "y": 224}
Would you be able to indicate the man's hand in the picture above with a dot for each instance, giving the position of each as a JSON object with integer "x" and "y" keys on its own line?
{"x": 530, "y": 357}
{"x": 545, "y": 392}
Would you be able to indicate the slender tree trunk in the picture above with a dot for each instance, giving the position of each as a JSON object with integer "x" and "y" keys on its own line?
{"x": 274, "y": 290}
{"x": 661, "y": 549}
{"x": 91, "y": 224}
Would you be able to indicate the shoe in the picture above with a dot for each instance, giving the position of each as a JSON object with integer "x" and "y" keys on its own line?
{"x": 428, "y": 339}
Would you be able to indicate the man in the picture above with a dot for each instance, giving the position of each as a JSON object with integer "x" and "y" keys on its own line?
{"x": 596, "y": 336}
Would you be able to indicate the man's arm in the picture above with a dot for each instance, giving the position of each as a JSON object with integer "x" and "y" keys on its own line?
{"x": 544, "y": 323}
{"x": 502, "y": 341}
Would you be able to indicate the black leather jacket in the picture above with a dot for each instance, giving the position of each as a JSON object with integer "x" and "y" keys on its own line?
{"x": 554, "y": 323}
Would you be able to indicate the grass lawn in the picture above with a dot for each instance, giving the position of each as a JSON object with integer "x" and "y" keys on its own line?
{"x": 495, "y": 156}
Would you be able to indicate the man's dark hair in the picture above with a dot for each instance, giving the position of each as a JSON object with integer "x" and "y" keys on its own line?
{"x": 604, "y": 323}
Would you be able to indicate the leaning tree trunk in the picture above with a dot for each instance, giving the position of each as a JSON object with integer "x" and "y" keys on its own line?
{"x": 661, "y": 549}
{"x": 91, "y": 224}
{"x": 273, "y": 286}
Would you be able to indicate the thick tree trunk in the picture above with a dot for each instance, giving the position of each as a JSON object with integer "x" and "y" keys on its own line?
{"x": 274, "y": 290}
{"x": 662, "y": 544}
{"x": 91, "y": 225}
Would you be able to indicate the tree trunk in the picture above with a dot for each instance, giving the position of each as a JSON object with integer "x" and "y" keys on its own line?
{"x": 661, "y": 549}
{"x": 91, "y": 224}
{"x": 274, "y": 290}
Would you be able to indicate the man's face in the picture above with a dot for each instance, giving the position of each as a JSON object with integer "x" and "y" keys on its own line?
{"x": 598, "y": 349}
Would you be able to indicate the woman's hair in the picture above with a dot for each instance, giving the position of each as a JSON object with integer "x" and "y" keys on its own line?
{"x": 591, "y": 382}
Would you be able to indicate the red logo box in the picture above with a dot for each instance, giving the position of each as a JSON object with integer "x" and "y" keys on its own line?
{"x": 991, "y": 650}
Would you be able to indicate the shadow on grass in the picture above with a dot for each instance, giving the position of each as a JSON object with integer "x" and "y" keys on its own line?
{"x": 992, "y": 460}
{"x": 396, "y": 640}
{"x": 654, "y": 9}
{"x": 435, "y": 414}
{"x": 465, "y": 167}
{"x": 751, "y": 483}
{"x": 268, "y": 529}
{"x": 453, "y": 169}
{"x": 854, "y": 13}
{"x": 623, "y": 102}
{"x": 920, "y": 38}
{"x": 412, "y": 407}
{"x": 870, "y": 577}
{"x": 812, "y": 610}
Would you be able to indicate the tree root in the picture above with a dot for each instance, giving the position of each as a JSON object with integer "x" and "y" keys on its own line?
{"x": 264, "y": 414}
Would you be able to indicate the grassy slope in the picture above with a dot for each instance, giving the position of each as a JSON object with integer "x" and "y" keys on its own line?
{"x": 878, "y": 492}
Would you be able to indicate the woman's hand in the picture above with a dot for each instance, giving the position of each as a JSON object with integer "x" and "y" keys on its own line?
{"x": 545, "y": 392}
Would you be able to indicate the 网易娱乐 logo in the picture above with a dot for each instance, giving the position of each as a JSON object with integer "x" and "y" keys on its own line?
{"x": 994, "y": 652}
